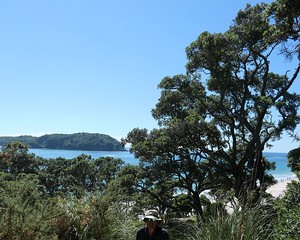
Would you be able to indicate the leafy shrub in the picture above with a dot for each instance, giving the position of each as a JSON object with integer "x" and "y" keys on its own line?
{"x": 288, "y": 213}
{"x": 23, "y": 213}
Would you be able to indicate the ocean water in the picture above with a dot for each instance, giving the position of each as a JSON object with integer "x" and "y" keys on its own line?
{"x": 126, "y": 156}
{"x": 281, "y": 171}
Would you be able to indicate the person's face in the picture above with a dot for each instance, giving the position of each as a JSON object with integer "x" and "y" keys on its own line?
{"x": 150, "y": 223}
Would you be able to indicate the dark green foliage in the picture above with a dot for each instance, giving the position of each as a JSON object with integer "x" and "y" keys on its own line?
{"x": 15, "y": 159}
{"x": 182, "y": 205}
{"x": 288, "y": 207}
{"x": 242, "y": 95}
{"x": 58, "y": 198}
{"x": 24, "y": 214}
{"x": 288, "y": 213}
{"x": 76, "y": 141}
{"x": 294, "y": 160}
{"x": 216, "y": 120}
{"x": 286, "y": 14}
{"x": 79, "y": 175}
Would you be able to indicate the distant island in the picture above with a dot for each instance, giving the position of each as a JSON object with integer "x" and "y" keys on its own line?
{"x": 76, "y": 141}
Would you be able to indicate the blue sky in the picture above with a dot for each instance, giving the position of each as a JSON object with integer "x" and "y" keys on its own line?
{"x": 70, "y": 66}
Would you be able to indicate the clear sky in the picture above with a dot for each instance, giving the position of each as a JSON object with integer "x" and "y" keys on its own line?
{"x": 69, "y": 66}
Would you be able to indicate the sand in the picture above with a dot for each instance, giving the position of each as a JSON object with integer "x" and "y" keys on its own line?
{"x": 278, "y": 189}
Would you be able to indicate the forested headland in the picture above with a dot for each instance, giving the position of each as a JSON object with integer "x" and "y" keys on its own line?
{"x": 76, "y": 141}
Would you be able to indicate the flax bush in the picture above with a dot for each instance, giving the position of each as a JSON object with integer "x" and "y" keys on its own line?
{"x": 249, "y": 224}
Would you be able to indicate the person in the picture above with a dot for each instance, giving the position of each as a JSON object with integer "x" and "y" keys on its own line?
{"x": 152, "y": 230}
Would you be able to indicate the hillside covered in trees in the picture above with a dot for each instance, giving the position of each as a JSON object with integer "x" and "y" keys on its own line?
{"x": 76, "y": 141}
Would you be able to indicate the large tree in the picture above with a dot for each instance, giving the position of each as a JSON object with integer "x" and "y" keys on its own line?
{"x": 15, "y": 159}
{"x": 216, "y": 120}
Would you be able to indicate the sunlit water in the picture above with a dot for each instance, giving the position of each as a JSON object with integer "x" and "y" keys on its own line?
{"x": 281, "y": 172}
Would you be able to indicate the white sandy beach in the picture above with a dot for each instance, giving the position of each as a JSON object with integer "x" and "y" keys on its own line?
{"x": 278, "y": 189}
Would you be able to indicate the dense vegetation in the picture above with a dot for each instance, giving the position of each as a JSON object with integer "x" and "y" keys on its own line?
{"x": 85, "y": 198}
{"x": 206, "y": 155}
{"x": 218, "y": 118}
{"x": 76, "y": 141}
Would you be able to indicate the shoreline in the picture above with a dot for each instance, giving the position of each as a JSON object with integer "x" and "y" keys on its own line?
{"x": 277, "y": 190}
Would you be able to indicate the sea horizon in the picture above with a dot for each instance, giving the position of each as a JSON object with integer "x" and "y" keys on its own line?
{"x": 281, "y": 172}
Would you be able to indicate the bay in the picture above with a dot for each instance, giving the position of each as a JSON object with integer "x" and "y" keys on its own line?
{"x": 281, "y": 171}
{"x": 126, "y": 156}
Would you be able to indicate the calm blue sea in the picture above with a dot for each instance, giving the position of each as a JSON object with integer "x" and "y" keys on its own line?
{"x": 281, "y": 172}
{"x": 126, "y": 156}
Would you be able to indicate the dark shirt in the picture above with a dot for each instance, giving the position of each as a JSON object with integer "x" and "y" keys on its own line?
{"x": 160, "y": 234}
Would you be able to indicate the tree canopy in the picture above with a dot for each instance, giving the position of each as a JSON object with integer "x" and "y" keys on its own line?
{"x": 218, "y": 118}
